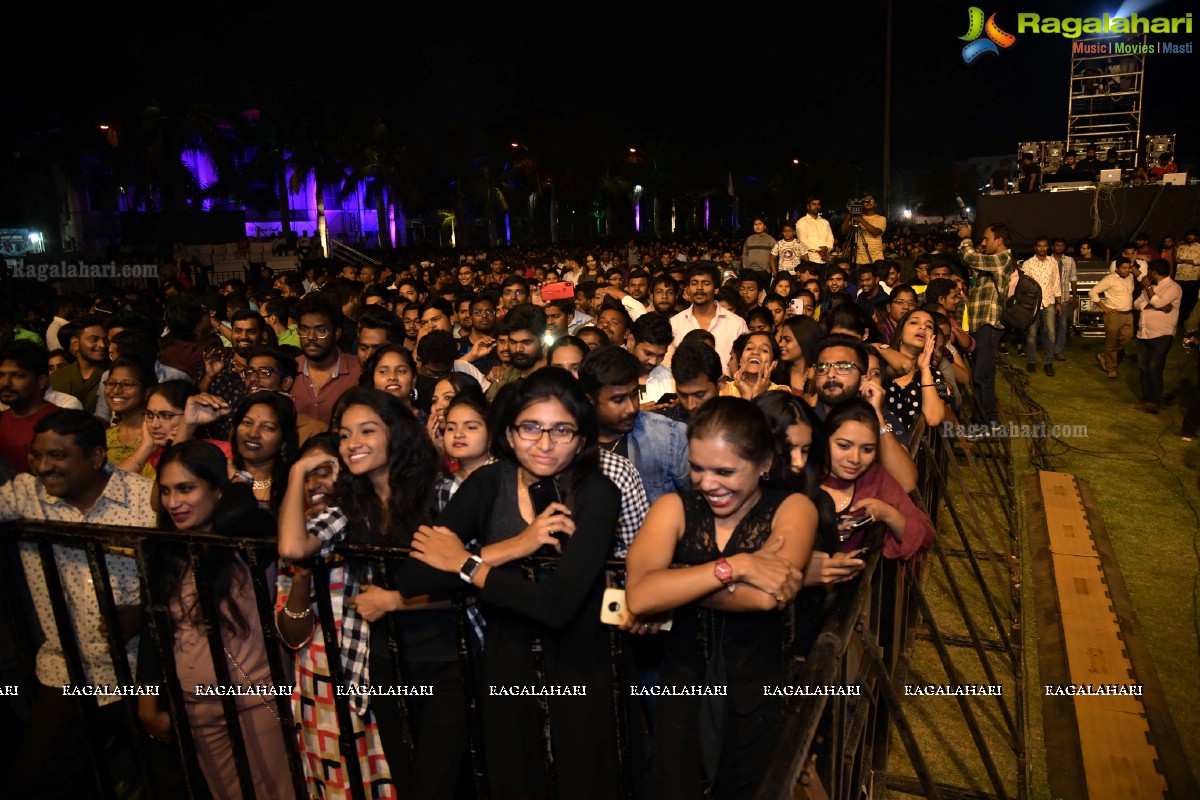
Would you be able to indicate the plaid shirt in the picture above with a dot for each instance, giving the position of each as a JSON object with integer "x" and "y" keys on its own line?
{"x": 985, "y": 303}
{"x": 330, "y": 527}
{"x": 634, "y": 504}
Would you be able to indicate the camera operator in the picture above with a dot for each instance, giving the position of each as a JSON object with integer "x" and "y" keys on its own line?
{"x": 864, "y": 231}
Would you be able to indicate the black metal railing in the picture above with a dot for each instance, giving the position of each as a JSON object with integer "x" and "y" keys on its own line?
{"x": 840, "y": 741}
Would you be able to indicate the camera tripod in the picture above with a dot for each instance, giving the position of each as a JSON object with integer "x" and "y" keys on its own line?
{"x": 855, "y": 239}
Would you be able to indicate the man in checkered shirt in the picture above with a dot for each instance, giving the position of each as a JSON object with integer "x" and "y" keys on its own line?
{"x": 990, "y": 274}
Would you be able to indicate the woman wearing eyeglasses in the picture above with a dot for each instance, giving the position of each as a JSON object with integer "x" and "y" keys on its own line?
{"x": 172, "y": 415}
{"x": 546, "y": 441}
{"x": 126, "y": 390}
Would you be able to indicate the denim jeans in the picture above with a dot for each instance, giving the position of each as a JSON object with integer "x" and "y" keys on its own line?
{"x": 1152, "y": 361}
{"x": 983, "y": 371}
{"x": 1043, "y": 323}
{"x": 1062, "y": 328}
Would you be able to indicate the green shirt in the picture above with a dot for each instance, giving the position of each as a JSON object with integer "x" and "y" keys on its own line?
{"x": 289, "y": 337}
{"x": 69, "y": 380}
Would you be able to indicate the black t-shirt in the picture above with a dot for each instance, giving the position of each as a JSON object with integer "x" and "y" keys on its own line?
{"x": 1027, "y": 171}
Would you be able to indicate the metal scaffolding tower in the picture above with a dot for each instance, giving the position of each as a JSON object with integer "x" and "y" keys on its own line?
{"x": 1105, "y": 105}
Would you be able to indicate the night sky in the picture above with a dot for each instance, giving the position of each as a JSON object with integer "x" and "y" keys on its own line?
{"x": 747, "y": 85}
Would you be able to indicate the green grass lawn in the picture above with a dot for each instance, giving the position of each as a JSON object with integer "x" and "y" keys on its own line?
{"x": 1147, "y": 484}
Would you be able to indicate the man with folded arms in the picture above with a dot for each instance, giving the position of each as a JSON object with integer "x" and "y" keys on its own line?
{"x": 1117, "y": 305}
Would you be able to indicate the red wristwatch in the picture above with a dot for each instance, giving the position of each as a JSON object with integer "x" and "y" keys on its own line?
{"x": 723, "y": 571}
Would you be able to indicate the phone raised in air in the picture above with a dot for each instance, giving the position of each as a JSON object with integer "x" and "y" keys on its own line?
{"x": 563, "y": 290}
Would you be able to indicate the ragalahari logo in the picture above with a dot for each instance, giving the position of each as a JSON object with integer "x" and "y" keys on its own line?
{"x": 996, "y": 38}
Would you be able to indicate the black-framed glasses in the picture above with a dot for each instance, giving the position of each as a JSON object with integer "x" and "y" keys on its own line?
{"x": 124, "y": 386}
{"x": 483, "y": 312}
{"x": 306, "y": 332}
{"x": 263, "y": 372}
{"x": 840, "y": 367}
{"x": 532, "y": 432}
{"x": 899, "y": 302}
{"x": 165, "y": 416}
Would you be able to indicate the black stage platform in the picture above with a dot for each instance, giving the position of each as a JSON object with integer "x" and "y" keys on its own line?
{"x": 1122, "y": 211}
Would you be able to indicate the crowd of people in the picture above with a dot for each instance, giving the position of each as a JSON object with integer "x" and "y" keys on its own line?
{"x": 727, "y": 420}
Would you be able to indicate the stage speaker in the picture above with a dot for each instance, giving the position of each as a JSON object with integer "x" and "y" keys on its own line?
{"x": 1053, "y": 154}
{"x": 1037, "y": 148}
{"x": 1157, "y": 145}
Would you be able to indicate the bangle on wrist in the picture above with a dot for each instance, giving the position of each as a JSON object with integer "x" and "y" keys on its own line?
{"x": 307, "y": 612}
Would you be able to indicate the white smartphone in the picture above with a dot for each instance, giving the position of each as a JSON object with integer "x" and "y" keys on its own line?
{"x": 613, "y": 611}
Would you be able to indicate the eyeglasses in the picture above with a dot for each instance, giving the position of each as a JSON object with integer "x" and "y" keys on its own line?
{"x": 513, "y": 293}
{"x": 532, "y": 432}
{"x": 840, "y": 367}
{"x": 898, "y": 302}
{"x": 263, "y": 372}
{"x": 483, "y": 312}
{"x": 165, "y": 416}
{"x": 306, "y": 332}
{"x": 124, "y": 386}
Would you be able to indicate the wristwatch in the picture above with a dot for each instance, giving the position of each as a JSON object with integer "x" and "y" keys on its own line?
{"x": 723, "y": 571}
{"x": 469, "y": 568}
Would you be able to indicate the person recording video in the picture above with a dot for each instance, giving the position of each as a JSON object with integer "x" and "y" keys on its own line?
{"x": 864, "y": 232}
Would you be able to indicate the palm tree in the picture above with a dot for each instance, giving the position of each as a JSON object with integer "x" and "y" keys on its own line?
{"x": 389, "y": 168}
{"x": 316, "y": 150}
{"x": 155, "y": 137}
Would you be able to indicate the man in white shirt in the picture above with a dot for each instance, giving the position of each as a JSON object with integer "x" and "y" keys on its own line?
{"x": 703, "y": 279}
{"x": 1159, "y": 304}
{"x": 62, "y": 315}
{"x": 814, "y": 233}
{"x": 1117, "y": 290}
{"x": 1044, "y": 269}
{"x": 71, "y": 481}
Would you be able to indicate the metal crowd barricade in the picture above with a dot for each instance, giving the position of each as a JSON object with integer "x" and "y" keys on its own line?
{"x": 838, "y": 746}
{"x": 143, "y": 546}
{"x": 841, "y": 742}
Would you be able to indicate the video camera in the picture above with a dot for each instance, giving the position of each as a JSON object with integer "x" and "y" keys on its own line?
{"x": 855, "y": 206}
{"x": 963, "y": 217}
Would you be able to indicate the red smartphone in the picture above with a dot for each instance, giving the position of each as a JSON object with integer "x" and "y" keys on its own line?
{"x": 563, "y": 290}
